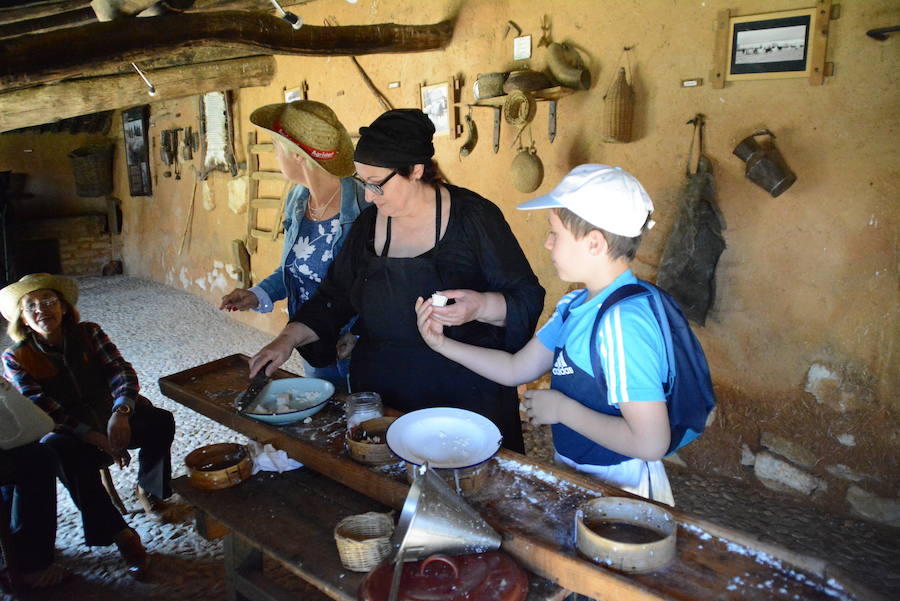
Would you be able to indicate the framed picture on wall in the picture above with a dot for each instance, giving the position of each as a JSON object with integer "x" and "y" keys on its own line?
{"x": 771, "y": 45}
{"x": 137, "y": 150}
{"x": 438, "y": 102}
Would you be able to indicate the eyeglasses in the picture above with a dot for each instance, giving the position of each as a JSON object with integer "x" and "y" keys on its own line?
{"x": 375, "y": 188}
{"x": 34, "y": 306}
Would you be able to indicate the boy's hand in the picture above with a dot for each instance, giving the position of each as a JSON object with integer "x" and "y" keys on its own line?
{"x": 544, "y": 406}
{"x": 432, "y": 332}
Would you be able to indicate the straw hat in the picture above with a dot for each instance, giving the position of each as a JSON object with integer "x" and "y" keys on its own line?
{"x": 519, "y": 108}
{"x": 310, "y": 128}
{"x": 12, "y": 294}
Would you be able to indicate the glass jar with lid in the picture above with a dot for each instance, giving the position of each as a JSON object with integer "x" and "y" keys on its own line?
{"x": 362, "y": 406}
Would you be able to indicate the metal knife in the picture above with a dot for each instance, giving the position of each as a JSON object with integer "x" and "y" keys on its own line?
{"x": 248, "y": 397}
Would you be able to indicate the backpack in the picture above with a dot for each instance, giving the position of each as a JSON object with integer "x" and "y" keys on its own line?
{"x": 688, "y": 389}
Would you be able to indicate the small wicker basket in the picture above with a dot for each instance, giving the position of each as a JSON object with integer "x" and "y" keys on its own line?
{"x": 371, "y": 453}
{"x": 364, "y": 540}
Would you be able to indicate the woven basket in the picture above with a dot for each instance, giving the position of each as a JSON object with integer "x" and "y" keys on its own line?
{"x": 371, "y": 453}
{"x": 92, "y": 168}
{"x": 618, "y": 110}
{"x": 364, "y": 540}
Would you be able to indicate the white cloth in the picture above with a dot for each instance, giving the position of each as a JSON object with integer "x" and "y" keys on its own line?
{"x": 645, "y": 478}
{"x": 268, "y": 459}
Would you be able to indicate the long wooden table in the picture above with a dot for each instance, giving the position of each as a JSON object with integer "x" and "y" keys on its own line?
{"x": 532, "y": 504}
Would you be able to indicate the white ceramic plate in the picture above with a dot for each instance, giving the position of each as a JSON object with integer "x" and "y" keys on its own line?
{"x": 444, "y": 437}
{"x": 309, "y": 396}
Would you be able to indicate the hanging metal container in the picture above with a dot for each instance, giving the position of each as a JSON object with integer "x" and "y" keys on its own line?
{"x": 765, "y": 165}
{"x": 618, "y": 109}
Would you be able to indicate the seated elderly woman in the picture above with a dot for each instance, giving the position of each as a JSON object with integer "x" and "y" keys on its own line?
{"x": 71, "y": 370}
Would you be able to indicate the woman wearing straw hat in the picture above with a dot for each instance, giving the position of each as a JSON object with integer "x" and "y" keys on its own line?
{"x": 315, "y": 152}
{"x": 71, "y": 370}
{"x": 423, "y": 236}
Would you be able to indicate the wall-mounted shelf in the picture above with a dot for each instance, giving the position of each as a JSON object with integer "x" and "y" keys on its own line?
{"x": 554, "y": 93}
{"x": 550, "y": 95}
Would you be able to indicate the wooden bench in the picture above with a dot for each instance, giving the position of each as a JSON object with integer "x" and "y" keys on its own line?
{"x": 289, "y": 518}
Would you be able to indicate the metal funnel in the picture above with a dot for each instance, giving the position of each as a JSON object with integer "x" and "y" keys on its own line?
{"x": 435, "y": 519}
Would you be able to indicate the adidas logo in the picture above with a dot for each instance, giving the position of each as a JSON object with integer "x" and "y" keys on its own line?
{"x": 560, "y": 368}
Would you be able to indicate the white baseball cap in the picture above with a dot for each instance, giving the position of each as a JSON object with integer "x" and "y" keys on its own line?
{"x": 606, "y": 197}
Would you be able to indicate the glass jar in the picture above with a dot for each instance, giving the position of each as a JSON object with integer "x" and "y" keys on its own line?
{"x": 362, "y": 406}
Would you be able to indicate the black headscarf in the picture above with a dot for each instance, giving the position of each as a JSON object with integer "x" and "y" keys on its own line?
{"x": 398, "y": 138}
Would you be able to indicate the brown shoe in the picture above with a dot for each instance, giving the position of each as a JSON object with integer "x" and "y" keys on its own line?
{"x": 154, "y": 507}
{"x": 133, "y": 552}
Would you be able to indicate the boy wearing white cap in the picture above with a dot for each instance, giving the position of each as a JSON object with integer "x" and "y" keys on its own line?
{"x": 613, "y": 425}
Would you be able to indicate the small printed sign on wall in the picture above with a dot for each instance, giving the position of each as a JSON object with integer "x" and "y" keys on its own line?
{"x": 522, "y": 48}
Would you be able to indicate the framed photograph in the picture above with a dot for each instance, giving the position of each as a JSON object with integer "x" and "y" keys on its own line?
{"x": 771, "y": 45}
{"x": 137, "y": 150}
{"x": 438, "y": 102}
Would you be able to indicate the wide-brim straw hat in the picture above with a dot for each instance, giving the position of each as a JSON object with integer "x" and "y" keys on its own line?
{"x": 311, "y": 128}
{"x": 12, "y": 294}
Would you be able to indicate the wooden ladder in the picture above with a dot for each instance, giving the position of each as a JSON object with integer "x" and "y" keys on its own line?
{"x": 255, "y": 201}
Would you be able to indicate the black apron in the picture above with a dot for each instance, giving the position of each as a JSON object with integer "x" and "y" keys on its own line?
{"x": 391, "y": 358}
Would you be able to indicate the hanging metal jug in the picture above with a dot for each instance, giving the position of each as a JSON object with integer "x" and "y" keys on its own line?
{"x": 765, "y": 165}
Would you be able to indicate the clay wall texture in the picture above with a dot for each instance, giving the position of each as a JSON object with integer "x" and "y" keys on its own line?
{"x": 802, "y": 339}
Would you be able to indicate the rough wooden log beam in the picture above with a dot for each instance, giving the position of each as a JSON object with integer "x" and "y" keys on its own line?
{"x": 45, "y": 104}
{"x": 48, "y": 8}
{"x": 36, "y": 10}
{"x": 62, "y": 20}
{"x": 34, "y": 59}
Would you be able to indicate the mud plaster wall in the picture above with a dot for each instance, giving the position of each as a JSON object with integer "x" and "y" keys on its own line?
{"x": 50, "y": 184}
{"x": 802, "y": 341}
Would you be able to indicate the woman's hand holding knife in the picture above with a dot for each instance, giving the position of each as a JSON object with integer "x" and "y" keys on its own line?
{"x": 276, "y": 353}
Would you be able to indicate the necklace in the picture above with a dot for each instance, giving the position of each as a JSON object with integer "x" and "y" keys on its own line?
{"x": 316, "y": 214}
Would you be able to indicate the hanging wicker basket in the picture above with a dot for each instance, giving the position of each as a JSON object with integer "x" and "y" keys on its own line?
{"x": 92, "y": 168}
{"x": 618, "y": 110}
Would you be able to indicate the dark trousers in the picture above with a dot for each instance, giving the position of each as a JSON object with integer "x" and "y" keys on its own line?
{"x": 29, "y": 475}
{"x": 152, "y": 431}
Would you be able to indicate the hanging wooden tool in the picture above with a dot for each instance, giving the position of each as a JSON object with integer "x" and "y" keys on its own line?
{"x": 242, "y": 260}
{"x": 256, "y": 201}
{"x": 189, "y": 220}
{"x": 381, "y": 98}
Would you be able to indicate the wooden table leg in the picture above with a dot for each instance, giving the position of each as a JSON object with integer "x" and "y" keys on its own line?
{"x": 244, "y": 576}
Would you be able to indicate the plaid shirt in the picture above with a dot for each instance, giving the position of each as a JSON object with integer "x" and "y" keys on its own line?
{"x": 123, "y": 381}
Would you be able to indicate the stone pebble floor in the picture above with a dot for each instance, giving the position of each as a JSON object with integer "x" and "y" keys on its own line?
{"x": 161, "y": 331}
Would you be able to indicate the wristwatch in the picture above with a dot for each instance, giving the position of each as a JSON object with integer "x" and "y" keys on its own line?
{"x": 124, "y": 410}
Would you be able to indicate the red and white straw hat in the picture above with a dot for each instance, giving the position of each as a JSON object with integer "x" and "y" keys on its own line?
{"x": 310, "y": 128}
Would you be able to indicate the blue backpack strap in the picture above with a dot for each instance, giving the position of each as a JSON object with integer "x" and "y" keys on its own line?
{"x": 620, "y": 294}
{"x": 568, "y": 308}
{"x": 665, "y": 328}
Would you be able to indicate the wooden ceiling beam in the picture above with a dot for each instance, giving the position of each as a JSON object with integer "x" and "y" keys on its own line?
{"x": 46, "y": 104}
{"x": 49, "y": 8}
{"x": 37, "y": 10}
{"x": 37, "y": 59}
{"x": 61, "y": 20}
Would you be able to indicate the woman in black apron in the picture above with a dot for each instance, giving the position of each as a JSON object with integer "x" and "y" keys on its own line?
{"x": 421, "y": 237}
